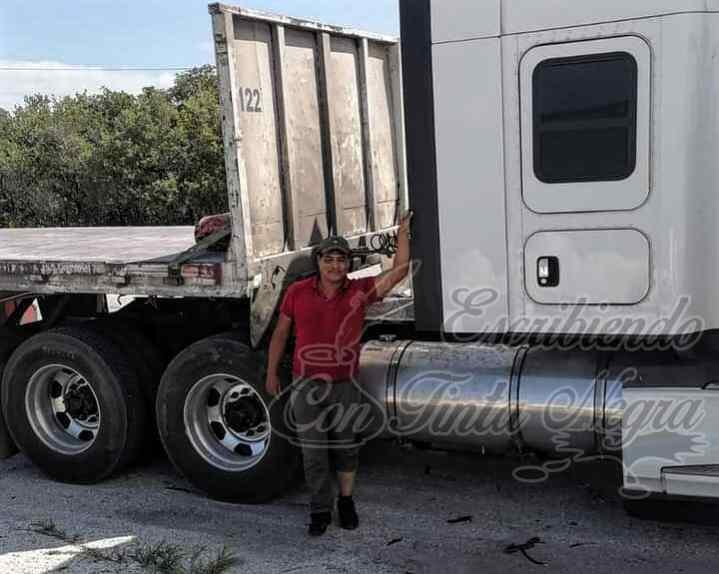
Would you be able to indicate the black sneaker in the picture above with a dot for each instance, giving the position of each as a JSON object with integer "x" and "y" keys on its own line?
{"x": 348, "y": 515}
{"x": 319, "y": 523}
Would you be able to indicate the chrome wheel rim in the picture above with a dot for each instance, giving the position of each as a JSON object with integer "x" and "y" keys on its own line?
{"x": 227, "y": 422}
{"x": 62, "y": 409}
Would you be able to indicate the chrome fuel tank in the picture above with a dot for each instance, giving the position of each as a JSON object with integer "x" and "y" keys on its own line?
{"x": 443, "y": 391}
{"x": 493, "y": 397}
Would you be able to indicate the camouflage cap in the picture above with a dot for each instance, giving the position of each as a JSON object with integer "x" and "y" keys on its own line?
{"x": 334, "y": 243}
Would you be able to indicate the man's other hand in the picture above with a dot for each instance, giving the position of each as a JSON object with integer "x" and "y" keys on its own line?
{"x": 272, "y": 384}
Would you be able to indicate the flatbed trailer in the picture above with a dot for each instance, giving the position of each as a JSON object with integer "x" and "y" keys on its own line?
{"x": 134, "y": 260}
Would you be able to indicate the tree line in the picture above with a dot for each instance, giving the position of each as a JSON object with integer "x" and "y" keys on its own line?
{"x": 113, "y": 158}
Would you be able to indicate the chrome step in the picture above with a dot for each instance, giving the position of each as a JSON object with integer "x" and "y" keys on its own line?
{"x": 697, "y": 480}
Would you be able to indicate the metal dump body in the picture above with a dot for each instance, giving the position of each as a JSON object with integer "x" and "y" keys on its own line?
{"x": 314, "y": 139}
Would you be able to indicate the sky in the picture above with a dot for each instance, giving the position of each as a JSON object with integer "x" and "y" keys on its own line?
{"x": 53, "y": 40}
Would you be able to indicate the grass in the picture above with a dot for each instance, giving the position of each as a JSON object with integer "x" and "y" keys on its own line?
{"x": 222, "y": 562}
{"x": 49, "y": 528}
{"x": 160, "y": 558}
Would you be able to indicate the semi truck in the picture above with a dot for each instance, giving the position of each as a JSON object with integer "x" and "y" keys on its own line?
{"x": 559, "y": 157}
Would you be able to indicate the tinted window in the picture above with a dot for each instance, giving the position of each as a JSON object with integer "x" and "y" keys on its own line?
{"x": 585, "y": 123}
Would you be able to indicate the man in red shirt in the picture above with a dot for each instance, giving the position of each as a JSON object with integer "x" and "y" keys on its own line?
{"x": 328, "y": 313}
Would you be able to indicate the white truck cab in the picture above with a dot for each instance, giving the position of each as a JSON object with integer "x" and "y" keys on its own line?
{"x": 562, "y": 164}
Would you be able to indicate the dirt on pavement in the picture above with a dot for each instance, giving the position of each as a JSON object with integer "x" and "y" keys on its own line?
{"x": 421, "y": 511}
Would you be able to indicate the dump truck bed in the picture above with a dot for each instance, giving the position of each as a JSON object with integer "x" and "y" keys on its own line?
{"x": 136, "y": 260}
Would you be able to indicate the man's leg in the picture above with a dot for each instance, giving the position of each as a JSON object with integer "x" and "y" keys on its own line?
{"x": 307, "y": 407}
{"x": 345, "y": 448}
{"x": 347, "y": 482}
{"x": 344, "y": 403}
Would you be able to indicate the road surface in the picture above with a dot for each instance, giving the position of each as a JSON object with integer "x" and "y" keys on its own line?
{"x": 421, "y": 512}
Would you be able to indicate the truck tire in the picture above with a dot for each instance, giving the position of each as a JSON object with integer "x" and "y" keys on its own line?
{"x": 73, "y": 405}
{"x": 218, "y": 425}
{"x": 142, "y": 353}
{"x": 148, "y": 366}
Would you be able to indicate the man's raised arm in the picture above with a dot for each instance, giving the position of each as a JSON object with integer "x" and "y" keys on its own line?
{"x": 400, "y": 266}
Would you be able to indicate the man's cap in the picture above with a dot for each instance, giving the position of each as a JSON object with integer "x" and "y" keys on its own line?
{"x": 334, "y": 243}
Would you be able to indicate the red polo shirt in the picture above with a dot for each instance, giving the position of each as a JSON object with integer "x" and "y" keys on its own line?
{"x": 328, "y": 331}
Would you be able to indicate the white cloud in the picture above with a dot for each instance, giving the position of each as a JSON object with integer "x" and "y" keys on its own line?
{"x": 59, "y": 79}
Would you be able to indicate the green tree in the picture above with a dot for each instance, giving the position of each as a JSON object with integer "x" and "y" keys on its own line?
{"x": 113, "y": 158}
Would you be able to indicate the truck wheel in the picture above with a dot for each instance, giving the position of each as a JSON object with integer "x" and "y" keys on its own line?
{"x": 73, "y": 405}
{"x": 218, "y": 425}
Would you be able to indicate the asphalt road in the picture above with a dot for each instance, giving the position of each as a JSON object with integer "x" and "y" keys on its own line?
{"x": 405, "y": 498}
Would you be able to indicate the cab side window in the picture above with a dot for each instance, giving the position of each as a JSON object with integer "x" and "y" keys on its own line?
{"x": 585, "y": 118}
